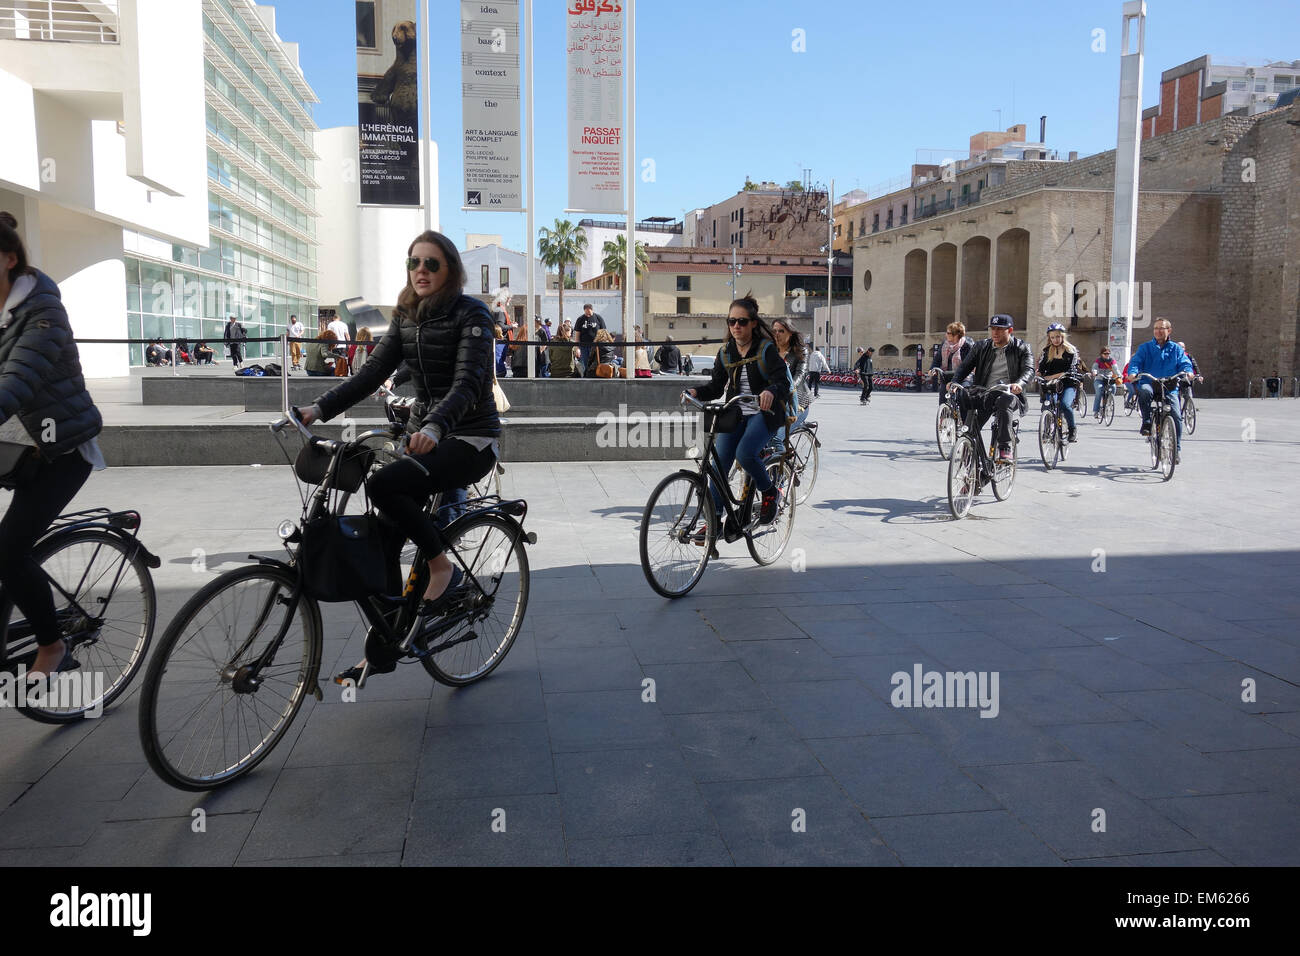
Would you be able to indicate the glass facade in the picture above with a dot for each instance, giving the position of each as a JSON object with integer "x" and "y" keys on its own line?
{"x": 261, "y": 264}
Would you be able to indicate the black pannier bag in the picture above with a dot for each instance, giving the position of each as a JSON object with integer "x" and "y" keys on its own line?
{"x": 349, "y": 558}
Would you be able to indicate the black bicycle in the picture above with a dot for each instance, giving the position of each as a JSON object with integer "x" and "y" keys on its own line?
{"x": 243, "y": 653}
{"x": 1053, "y": 440}
{"x": 99, "y": 575}
{"x": 947, "y": 421}
{"x": 803, "y": 444}
{"x": 1187, "y": 403}
{"x": 1163, "y": 440}
{"x": 971, "y": 467}
{"x": 679, "y": 530}
{"x": 1105, "y": 409}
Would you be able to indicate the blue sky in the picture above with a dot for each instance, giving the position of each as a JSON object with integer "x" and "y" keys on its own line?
{"x": 721, "y": 95}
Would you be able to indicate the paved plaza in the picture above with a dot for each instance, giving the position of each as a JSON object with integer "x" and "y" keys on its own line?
{"x": 1143, "y": 637}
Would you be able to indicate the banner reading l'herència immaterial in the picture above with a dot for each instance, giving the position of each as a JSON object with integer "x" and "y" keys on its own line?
{"x": 388, "y": 103}
{"x": 489, "y": 58}
{"x": 595, "y": 70}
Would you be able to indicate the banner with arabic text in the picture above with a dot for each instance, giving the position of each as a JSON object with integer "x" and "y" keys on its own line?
{"x": 489, "y": 57}
{"x": 594, "y": 42}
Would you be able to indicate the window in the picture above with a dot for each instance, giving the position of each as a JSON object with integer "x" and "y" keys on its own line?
{"x": 1282, "y": 83}
{"x": 742, "y": 217}
{"x": 1239, "y": 85}
{"x": 365, "y": 24}
{"x": 903, "y": 221}
{"x": 486, "y": 275}
{"x": 889, "y": 220}
{"x": 683, "y": 283}
{"x": 683, "y": 305}
{"x": 741, "y": 242}
{"x": 850, "y": 230}
{"x": 672, "y": 325}
{"x": 505, "y": 277}
{"x": 875, "y": 223}
{"x": 704, "y": 325}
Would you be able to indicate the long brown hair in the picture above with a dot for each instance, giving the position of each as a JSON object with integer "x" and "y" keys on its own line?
{"x": 409, "y": 305}
{"x": 796, "y": 340}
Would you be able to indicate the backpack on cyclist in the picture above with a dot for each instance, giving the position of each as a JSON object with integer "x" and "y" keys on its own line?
{"x": 791, "y": 412}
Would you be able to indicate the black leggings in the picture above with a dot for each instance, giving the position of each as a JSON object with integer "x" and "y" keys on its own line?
{"x": 866, "y": 386}
{"x": 400, "y": 490}
{"x": 35, "y": 505}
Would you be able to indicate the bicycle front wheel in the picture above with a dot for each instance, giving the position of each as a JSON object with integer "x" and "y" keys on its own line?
{"x": 1130, "y": 405}
{"x": 104, "y": 602}
{"x": 1108, "y": 409}
{"x": 1047, "y": 447}
{"x": 766, "y": 542}
{"x": 492, "y": 548}
{"x": 945, "y": 429}
{"x": 1189, "y": 415}
{"x": 962, "y": 470}
{"x": 678, "y": 509}
{"x": 1004, "y": 472}
{"x": 805, "y": 455}
{"x": 1168, "y": 447}
{"x": 206, "y": 717}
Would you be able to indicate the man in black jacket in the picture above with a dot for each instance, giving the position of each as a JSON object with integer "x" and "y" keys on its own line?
{"x": 669, "y": 357}
{"x": 1001, "y": 358}
{"x": 234, "y": 337}
{"x": 865, "y": 367}
{"x": 588, "y": 324}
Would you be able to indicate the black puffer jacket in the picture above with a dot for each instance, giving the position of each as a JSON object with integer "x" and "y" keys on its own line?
{"x": 40, "y": 374}
{"x": 450, "y": 357}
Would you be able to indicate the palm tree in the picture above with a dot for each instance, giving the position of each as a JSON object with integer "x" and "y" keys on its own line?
{"x": 615, "y": 252}
{"x": 558, "y": 247}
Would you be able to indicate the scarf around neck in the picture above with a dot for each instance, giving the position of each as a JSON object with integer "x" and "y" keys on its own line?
{"x": 949, "y": 348}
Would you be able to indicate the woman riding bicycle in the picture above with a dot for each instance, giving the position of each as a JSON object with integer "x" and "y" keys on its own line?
{"x": 1060, "y": 361}
{"x": 790, "y": 344}
{"x": 748, "y": 363}
{"x": 446, "y": 340}
{"x": 1104, "y": 372}
{"x": 44, "y": 405}
{"x": 953, "y": 352}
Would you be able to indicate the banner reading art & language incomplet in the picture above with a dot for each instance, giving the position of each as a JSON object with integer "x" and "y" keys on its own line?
{"x": 489, "y": 56}
{"x": 388, "y": 103}
{"x": 594, "y": 42}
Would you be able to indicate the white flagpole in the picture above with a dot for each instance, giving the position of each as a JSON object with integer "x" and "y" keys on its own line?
{"x": 529, "y": 332}
{"x": 425, "y": 96}
{"x": 629, "y": 129}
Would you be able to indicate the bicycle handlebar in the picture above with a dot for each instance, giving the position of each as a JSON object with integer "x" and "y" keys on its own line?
{"x": 745, "y": 400}
{"x": 1000, "y": 387}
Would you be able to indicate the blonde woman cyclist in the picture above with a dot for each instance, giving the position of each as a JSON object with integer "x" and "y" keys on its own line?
{"x": 1060, "y": 360}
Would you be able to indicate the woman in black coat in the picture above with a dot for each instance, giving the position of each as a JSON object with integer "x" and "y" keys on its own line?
{"x": 43, "y": 404}
{"x": 445, "y": 339}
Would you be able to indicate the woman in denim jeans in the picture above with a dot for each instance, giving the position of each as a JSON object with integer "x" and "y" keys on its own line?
{"x": 748, "y": 363}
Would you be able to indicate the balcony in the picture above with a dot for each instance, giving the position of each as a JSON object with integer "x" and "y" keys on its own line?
{"x": 969, "y": 199}
{"x": 60, "y": 21}
{"x": 926, "y": 210}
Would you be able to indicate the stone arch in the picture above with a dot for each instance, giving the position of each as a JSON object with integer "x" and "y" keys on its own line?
{"x": 914, "y": 265}
{"x": 890, "y": 351}
{"x": 976, "y": 254}
{"x": 1011, "y": 293}
{"x": 943, "y": 286}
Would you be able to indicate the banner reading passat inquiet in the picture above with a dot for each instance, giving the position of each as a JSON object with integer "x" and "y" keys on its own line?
{"x": 489, "y": 62}
{"x": 388, "y": 103}
{"x": 594, "y": 41}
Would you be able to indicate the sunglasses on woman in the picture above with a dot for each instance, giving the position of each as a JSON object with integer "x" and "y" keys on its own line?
{"x": 738, "y": 323}
{"x": 413, "y": 263}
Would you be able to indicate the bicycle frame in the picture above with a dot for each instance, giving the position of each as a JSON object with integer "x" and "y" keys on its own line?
{"x": 711, "y": 464}
{"x": 17, "y": 640}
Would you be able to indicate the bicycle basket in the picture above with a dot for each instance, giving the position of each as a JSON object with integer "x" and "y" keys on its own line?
{"x": 728, "y": 420}
{"x": 349, "y": 557}
{"x": 313, "y": 463}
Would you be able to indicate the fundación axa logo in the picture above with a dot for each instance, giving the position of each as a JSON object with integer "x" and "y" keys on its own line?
{"x": 76, "y": 909}
{"x": 71, "y": 690}
{"x": 947, "y": 689}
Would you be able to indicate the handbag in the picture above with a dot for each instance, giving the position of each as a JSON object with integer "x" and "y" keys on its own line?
{"x": 344, "y": 558}
{"x": 20, "y": 458}
{"x": 499, "y": 396}
{"x": 604, "y": 370}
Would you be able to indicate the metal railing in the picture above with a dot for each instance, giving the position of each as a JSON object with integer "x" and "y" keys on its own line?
{"x": 60, "y": 21}
{"x": 925, "y": 211}
{"x": 1266, "y": 392}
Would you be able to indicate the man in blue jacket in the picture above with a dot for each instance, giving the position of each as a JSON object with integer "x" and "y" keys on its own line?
{"x": 1160, "y": 358}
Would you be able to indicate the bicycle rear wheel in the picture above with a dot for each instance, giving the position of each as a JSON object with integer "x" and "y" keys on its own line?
{"x": 106, "y": 610}
{"x": 1047, "y": 444}
{"x": 1130, "y": 404}
{"x": 1189, "y": 414}
{"x": 204, "y": 718}
{"x": 492, "y": 548}
{"x": 805, "y": 453}
{"x": 1004, "y": 472}
{"x": 1168, "y": 439}
{"x": 962, "y": 470}
{"x": 678, "y": 508}
{"x": 766, "y": 542}
{"x": 945, "y": 429}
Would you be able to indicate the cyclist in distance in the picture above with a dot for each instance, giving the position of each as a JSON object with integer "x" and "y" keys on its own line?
{"x": 1000, "y": 358}
{"x": 790, "y": 344}
{"x": 1060, "y": 360}
{"x": 1196, "y": 369}
{"x": 952, "y": 353}
{"x": 45, "y": 406}
{"x": 749, "y": 363}
{"x": 446, "y": 340}
{"x": 1105, "y": 373}
{"x": 1160, "y": 358}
